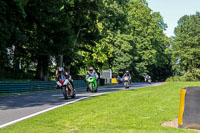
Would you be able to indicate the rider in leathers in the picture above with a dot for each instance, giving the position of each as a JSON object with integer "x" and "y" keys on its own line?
{"x": 61, "y": 74}
{"x": 129, "y": 76}
{"x": 91, "y": 73}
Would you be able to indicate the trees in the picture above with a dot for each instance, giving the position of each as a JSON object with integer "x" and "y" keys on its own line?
{"x": 149, "y": 42}
{"x": 11, "y": 34}
{"x": 121, "y": 34}
{"x": 49, "y": 33}
{"x": 186, "y": 46}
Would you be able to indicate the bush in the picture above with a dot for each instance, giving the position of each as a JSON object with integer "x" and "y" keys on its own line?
{"x": 175, "y": 79}
{"x": 186, "y": 77}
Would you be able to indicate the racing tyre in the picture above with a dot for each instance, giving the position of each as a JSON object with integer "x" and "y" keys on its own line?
{"x": 65, "y": 92}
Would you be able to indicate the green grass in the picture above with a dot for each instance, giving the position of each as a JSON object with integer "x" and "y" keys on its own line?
{"x": 132, "y": 111}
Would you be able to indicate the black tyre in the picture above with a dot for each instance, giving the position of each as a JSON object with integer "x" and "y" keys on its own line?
{"x": 73, "y": 90}
{"x": 126, "y": 85}
{"x": 65, "y": 92}
{"x": 96, "y": 90}
{"x": 91, "y": 87}
{"x": 74, "y": 93}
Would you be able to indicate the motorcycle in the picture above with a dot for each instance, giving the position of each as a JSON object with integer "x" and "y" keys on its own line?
{"x": 92, "y": 84}
{"x": 149, "y": 81}
{"x": 119, "y": 80}
{"x": 126, "y": 82}
{"x": 67, "y": 89}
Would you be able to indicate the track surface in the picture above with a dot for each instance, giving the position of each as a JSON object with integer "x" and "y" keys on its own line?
{"x": 17, "y": 108}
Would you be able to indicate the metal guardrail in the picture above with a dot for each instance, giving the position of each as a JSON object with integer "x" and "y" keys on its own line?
{"x": 17, "y": 87}
{"x": 79, "y": 83}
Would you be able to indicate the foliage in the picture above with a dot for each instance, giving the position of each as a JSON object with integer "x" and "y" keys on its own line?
{"x": 119, "y": 35}
{"x": 150, "y": 44}
{"x": 186, "y": 77}
{"x": 186, "y": 46}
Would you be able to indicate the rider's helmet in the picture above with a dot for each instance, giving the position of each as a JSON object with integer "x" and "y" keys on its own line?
{"x": 60, "y": 69}
{"x": 127, "y": 71}
{"x": 90, "y": 69}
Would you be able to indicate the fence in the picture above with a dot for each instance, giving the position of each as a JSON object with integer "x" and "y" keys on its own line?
{"x": 17, "y": 87}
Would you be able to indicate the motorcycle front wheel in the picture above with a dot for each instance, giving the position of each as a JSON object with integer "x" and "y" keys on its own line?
{"x": 65, "y": 92}
{"x": 73, "y": 91}
{"x": 126, "y": 85}
{"x": 91, "y": 87}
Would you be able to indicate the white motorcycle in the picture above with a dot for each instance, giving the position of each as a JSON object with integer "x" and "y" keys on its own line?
{"x": 67, "y": 88}
{"x": 126, "y": 82}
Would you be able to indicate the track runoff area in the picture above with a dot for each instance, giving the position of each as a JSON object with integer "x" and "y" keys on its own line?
{"x": 28, "y": 112}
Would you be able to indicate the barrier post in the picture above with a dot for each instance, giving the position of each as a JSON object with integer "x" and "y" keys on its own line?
{"x": 181, "y": 107}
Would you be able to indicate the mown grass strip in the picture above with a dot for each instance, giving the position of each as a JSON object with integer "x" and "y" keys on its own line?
{"x": 132, "y": 111}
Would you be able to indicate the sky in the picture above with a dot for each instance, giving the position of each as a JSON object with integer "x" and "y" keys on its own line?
{"x": 173, "y": 10}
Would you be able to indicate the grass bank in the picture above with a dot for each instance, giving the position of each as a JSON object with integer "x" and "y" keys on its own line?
{"x": 133, "y": 111}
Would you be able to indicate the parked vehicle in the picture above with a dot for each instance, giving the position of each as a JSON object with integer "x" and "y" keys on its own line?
{"x": 67, "y": 89}
{"x": 92, "y": 84}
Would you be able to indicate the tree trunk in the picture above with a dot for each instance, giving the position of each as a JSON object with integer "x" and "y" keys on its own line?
{"x": 60, "y": 60}
{"x": 42, "y": 72}
{"x": 16, "y": 59}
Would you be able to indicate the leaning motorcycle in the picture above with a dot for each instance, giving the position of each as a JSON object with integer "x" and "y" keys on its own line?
{"x": 67, "y": 89}
{"x": 92, "y": 84}
{"x": 126, "y": 82}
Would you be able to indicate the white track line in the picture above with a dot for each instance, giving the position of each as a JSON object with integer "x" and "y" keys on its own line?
{"x": 43, "y": 111}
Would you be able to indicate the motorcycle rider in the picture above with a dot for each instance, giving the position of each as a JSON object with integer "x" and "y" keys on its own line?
{"x": 61, "y": 74}
{"x": 129, "y": 76}
{"x": 91, "y": 73}
{"x": 147, "y": 77}
{"x": 119, "y": 79}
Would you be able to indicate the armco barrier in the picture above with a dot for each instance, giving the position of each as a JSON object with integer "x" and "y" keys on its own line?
{"x": 79, "y": 83}
{"x": 17, "y": 87}
{"x": 189, "y": 109}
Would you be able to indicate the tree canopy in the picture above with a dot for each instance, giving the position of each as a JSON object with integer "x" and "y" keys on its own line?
{"x": 38, "y": 36}
{"x": 186, "y": 47}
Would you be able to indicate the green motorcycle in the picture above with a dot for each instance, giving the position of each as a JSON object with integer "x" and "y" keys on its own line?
{"x": 92, "y": 84}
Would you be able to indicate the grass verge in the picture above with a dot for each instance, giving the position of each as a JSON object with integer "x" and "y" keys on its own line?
{"x": 132, "y": 111}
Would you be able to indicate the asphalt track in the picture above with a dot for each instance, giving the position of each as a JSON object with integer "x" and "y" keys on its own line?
{"x": 17, "y": 108}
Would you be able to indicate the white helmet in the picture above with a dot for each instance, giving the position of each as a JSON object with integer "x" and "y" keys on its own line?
{"x": 60, "y": 69}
